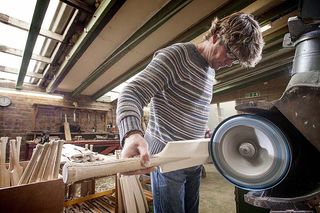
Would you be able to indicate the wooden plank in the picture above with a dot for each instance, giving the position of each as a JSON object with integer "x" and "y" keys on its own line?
{"x": 138, "y": 195}
{"x": 17, "y": 52}
{"x": 89, "y": 197}
{"x": 142, "y": 193}
{"x": 70, "y": 107}
{"x": 48, "y": 174}
{"x": 4, "y": 173}
{"x": 26, "y": 26}
{"x": 109, "y": 150}
{"x": 39, "y": 163}
{"x": 16, "y": 71}
{"x": 58, "y": 160}
{"x": 16, "y": 172}
{"x": 67, "y": 129}
{"x": 30, "y": 167}
{"x": 81, "y": 5}
{"x": 44, "y": 159}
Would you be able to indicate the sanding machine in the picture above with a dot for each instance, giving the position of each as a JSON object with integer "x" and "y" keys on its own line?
{"x": 272, "y": 152}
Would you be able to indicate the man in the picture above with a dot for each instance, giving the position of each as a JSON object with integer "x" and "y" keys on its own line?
{"x": 179, "y": 82}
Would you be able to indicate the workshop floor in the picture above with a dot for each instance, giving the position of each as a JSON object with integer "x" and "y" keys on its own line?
{"x": 216, "y": 194}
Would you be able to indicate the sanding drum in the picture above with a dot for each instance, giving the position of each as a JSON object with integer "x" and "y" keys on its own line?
{"x": 257, "y": 153}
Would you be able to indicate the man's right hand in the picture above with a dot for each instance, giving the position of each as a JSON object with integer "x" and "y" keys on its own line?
{"x": 135, "y": 145}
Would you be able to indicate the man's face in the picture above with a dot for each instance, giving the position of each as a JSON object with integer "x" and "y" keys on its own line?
{"x": 222, "y": 55}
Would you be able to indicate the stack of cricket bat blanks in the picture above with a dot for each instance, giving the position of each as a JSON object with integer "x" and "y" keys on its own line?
{"x": 33, "y": 186}
{"x": 9, "y": 176}
{"x": 132, "y": 193}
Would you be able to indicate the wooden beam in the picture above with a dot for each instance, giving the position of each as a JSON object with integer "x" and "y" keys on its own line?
{"x": 16, "y": 71}
{"x": 268, "y": 68}
{"x": 62, "y": 47}
{"x": 19, "y": 53}
{"x": 80, "y": 5}
{"x": 150, "y": 26}
{"x": 26, "y": 26}
{"x": 37, "y": 19}
{"x": 101, "y": 17}
{"x": 88, "y": 197}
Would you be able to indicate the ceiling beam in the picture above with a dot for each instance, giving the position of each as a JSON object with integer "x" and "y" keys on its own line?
{"x": 16, "y": 71}
{"x": 271, "y": 57}
{"x": 26, "y": 26}
{"x": 16, "y": 52}
{"x": 62, "y": 48}
{"x": 253, "y": 78}
{"x": 37, "y": 19}
{"x": 275, "y": 13}
{"x": 102, "y": 16}
{"x": 80, "y": 5}
{"x": 260, "y": 6}
{"x": 150, "y": 26}
{"x": 188, "y": 35}
{"x": 267, "y": 68}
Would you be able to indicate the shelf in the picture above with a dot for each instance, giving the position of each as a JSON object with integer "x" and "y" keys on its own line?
{"x": 72, "y": 133}
{"x": 69, "y": 107}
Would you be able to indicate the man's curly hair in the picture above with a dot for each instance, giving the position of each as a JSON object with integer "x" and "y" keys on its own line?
{"x": 242, "y": 34}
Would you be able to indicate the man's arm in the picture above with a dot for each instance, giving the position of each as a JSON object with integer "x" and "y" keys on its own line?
{"x": 137, "y": 94}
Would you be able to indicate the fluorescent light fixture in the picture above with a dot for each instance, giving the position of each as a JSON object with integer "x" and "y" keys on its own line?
{"x": 29, "y": 93}
{"x": 266, "y": 27}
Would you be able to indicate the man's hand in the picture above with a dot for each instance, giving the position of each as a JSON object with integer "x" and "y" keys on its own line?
{"x": 208, "y": 134}
{"x": 135, "y": 145}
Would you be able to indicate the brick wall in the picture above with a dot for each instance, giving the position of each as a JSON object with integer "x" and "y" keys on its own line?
{"x": 19, "y": 118}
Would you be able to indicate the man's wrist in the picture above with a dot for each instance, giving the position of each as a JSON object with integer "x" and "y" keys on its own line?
{"x": 132, "y": 132}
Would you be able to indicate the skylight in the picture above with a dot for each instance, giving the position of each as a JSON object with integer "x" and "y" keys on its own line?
{"x": 13, "y": 37}
{"x": 114, "y": 93}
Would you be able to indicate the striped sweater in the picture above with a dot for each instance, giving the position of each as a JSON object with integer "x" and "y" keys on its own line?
{"x": 178, "y": 82}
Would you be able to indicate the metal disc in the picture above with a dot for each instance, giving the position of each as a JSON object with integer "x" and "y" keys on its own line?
{"x": 251, "y": 152}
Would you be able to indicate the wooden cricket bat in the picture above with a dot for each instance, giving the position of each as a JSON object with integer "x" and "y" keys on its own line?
{"x": 48, "y": 173}
{"x": 57, "y": 160}
{"x": 67, "y": 132}
{"x": 191, "y": 153}
{"x": 31, "y": 165}
{"x": 4, "y": 172}
{"x": 42, "y": 163}
{"x": 17, "y": 169}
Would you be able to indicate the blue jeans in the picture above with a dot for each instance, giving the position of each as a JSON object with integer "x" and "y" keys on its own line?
{"x": 176, "y": 191}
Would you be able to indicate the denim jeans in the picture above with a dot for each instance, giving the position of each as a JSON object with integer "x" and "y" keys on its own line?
{"x": 176, "y": 191}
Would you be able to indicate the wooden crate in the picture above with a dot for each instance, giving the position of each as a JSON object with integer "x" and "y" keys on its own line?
{"x": 46, "y": 197}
